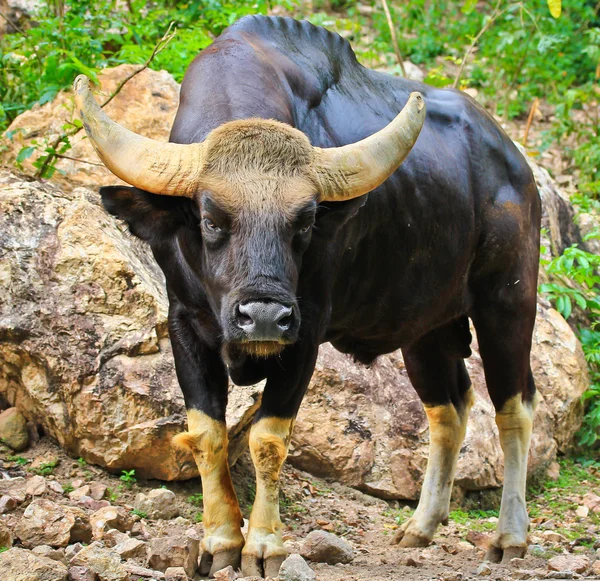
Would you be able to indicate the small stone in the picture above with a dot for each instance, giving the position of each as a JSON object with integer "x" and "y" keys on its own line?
{"x": 114, "y": 537}
{"x": 72, "y": 550}
{"x": 13, "y": 429}
{"x": 35, "y": 486}
{"x": 50, "y": 553}
{"x": 537, "y": 551}
{"x": 576, "y": 563}
{"x": 6, "y": 539}
{"x": 97, "y": 490}
{"x": 78, "y": 493}
{"x": 553, "y": 471}
{"x": 82, "y": 574}
{"x": 110, "y": 517}
{"x": 525, "y": 574}
{"x": 484, "y": 569}
{"x": 517, "y": 562}
{"x": 554, "y": 537}
{"x": 94, "y": 505}
{"x": 295, "y": 568}
{"x": 463, "y": 546}
{"x": 46, "y": 523}
{"x": 582, "y": 511}
{"x": 104, "y": 562}
{"x": 132, "y": 549}
{"x": 479, "y": 539}
{"x": 77, "y": 483}
{"x": 176, "y": 574}
{"x": 140, "y": 531}
{"x": 596, "y": 567}
{"x": 324, "y": 547}
{"x": 411, "y": 562}
{"x": 136, "y": 572}
{"x": 55, "y": 486}
{"x": 228, "y": 574}
{"x": 158, "y": 503}
{"x": 22, "y": 565}
{"x": 560, "y": 575}
{"x": 7, "y": 503}
{"x": 179, "y": 551}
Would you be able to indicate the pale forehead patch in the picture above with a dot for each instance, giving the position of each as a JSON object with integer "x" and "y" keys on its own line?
{"x": 259, "y": 164}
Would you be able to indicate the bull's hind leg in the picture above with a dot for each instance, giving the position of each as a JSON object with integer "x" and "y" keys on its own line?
{"x": 504, "y": 333}
{"x": 437, "y": 371}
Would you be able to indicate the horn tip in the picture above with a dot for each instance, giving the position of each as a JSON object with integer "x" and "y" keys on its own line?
{"x": 81, "y": 84}
{"x": 417, "y": 98}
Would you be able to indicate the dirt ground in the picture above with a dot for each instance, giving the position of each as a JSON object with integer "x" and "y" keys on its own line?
{"x": 367, "y": 523}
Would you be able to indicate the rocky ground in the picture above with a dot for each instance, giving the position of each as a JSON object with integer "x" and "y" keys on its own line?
{"x": 65, "y": 519}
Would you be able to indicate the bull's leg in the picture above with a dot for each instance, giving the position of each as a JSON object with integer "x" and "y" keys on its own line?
{"x": 270, "y": 437}
{"x": 438, "y": 373}
{"x": 203, "y": 380}
{"x": 504, "y": 336}
{"x": 264, "y": 551}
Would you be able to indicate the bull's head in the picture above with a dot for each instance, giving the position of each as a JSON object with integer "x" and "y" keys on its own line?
{"x": 255, "y": 185}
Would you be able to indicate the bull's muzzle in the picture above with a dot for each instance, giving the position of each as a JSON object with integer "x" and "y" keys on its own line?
{"x": 264, "y": 320}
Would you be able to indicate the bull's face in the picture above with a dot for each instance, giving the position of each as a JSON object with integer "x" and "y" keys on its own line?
{"x": 254, "y": 185}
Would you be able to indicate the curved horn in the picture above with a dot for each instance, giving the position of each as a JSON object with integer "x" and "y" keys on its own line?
{"x": 356, "y": 169}
{"x": 170, "y": 169}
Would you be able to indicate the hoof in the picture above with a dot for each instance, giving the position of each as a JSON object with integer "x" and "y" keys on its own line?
{"x": 410, "y": 536}
{"x": 210, "y": 564}
{"x": 255, "y": 566}
{"x": 496, "y": 554}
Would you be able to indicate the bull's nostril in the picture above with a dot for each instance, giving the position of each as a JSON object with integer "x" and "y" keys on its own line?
{"x": 285, "y": 323}
{"x": 243, "y": 319}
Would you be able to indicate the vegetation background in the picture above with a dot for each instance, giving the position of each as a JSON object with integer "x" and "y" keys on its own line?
{"x": 524, "y": 60}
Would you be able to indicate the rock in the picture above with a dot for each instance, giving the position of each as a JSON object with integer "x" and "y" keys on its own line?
{"x": 6, "y": 539}
{"x": 295, "y": 568}
{"x": 110, "y": 517}
{"x": 46, "y": 523}
{"x": 132, "y": 549}
{"x": 596, "y": 567}
{"x": 176, "y": 574}
{"x": 226, "y": 574}
{"x": 553, "y": 471}
{"x": 97, "y": 490}
{"x": 479, "y": 539}
{"x": 13, "y": 429}
{"x": 104, "y": 562}
{"x": 78, "y": 493}
{"x": 324, "y": 547}
{"x": 7, "y": 503}
{"x": 35, "y": 486}
{"x": 554, "y": 537}
{"x": 592, "y": 502}
{"x": 15, "y": 488}
{"x": 566, "y": 562}
{"x": 158, "y": 503}
{"x": 177, "y": 551}
{"x": 21, "y": 565}
{"x": 113, "y": 537}
{"x": 87, "y": 307}
{"x": 136, "y": 572}
{"x": 484, "y": 569}
{"x": 82, "y": 574}
{"x": 55, "y": 486}
{"x": 582, "y": 511}
{"x": 50, "y": 552}
{"x": 72, "y": 550}
{"x": 366, "y": 428}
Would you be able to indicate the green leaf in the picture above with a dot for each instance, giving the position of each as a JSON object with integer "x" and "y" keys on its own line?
{"x": 580, "y": 301}
{"x": 555, "y": 7}
{"x": 566, "y": 313}
{"x": 468, "y": 6}
{"x": 24, "y": 154}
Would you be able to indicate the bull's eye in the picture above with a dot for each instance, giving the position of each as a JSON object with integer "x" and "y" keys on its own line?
{"x": 305, "y": 229}
{"x": 210, "y": 225}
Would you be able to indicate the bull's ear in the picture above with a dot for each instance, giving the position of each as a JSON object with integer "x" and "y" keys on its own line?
{"x": 149, "y": 216}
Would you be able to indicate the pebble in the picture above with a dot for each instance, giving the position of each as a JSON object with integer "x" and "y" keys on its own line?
{"x": 104, "y": 562}
{"x": 324, "y": 547}
{"x": 227, "y": 574}
{"x": 35, "y": 486}
{"x": 176, "y": 574}
{"x": 6, "y": 539}
{"x": 295, "y": 568}
{"x": 576, "y": 563}
{"x": 136, "y": 572}
{"x": 582, "y": 511}
{"x": 50, "y": 553}
{"x": 13, "y": 429}
{"x": 110, "y": 517}
{"x": 97, "y": 490}
{"x": 554, "y": 537}
{"x": 78, "y": 493}
{"x": 72, "y": 550}
{"x": 484, "y": 569}
{"x": 55, "y": 486}
{"x": 82, "y": 574}
{"x": 132, "y": 549}
{"x": 19, "y": 563}
{"x": 179, "y": 551}
{"x": 159, "y": 503}
{"x": 7, "y": 503}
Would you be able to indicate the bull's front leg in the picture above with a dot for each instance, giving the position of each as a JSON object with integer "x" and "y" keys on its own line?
{"x": 270, "y": 437}
{"x": 203, "y": 380}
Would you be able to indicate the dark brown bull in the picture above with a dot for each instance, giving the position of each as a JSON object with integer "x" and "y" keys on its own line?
{"x": 282, "y": 218}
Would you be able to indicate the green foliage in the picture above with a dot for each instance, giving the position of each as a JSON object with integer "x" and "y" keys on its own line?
{"x": 45, "y": 469}
{"x": 198, "y": 517}
{"x": 68, "y": 488}
{"x": 196, "y": 499}
{"x": 128, "y": 478}
{"x": 81, "y": 462}
{"x": 140, "y": 513}
{"x": 111, "y": 495}
{"x": 19, "y": 460}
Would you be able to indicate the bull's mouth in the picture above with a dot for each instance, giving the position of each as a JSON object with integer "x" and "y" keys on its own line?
{"x": 261, "y": 349}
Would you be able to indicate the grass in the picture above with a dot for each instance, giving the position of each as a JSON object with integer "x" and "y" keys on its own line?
{"x": 45, "y": 469}
{"x": 196, "y": 499}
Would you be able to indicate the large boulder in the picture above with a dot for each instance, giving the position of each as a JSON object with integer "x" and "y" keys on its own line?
{"x": 84, "y": 348}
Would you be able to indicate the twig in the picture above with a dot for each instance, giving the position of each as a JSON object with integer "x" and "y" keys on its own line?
{"x": 17, "y": 28}
{"x": 469, "y": 50}
{"x": 77, "y": 159}
{"x": 534, "y": 107}
{"x": 160, "y": 46}
{"x": 393, "y": 35}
